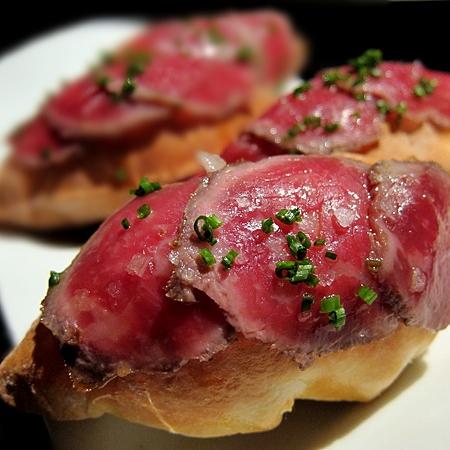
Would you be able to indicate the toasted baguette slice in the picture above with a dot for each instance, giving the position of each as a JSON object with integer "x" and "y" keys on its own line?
{"x": 426, "y": 143}
{"x": 86, "y": 190}
{"x": 245, "y": 388}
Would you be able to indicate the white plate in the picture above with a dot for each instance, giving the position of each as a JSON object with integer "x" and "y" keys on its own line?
{"x": 412, "y": 414}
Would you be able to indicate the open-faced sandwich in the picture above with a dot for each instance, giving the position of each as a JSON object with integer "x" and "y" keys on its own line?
{"x": 208, "y": 306}
{"x": 145, "y": 109}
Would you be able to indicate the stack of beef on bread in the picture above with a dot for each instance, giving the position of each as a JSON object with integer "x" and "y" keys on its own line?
{"x": 208, "y": 306}
{"x": 145, "y": 109}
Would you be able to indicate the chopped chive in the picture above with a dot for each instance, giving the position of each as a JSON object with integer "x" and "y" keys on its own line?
{"x": 267, "y": 225}
{"x": 145, "y": 187}
{"x": 244, "y": 54}
{"x": 102, "y": 81}
{"x": 289, "y": 216}
{"x": 331, "y": 77}
{"x": 228, "y": 259}
{"x": 125, "y": 223}
{"x": 360, "y": 96}
{"x": 297, "y": 272}
{"x": 373, "y": 264}
{"x": 215, "y": 36}
{"x": 143, "y": 211}
{"x": 330, "y": 303}
{"x": 312, "y": 280}
{"x": 356, "y": 114}
{"x": 55, "y": 278}
{"x": 307, "y": 301}
{"x": 331, "y": 127}
{"x": 367, "y": 61}
{"x": 135, "y": 68}
{"x": 319, "y": 242}
{"x": 331, "y": 255}
{"x": 295, "y": 130}
{"x": 205, "y": 232}
{"x": 424, "y": 87}
{"x": 207, "y": 257}
{"x": 337, "y": 318}
{"x": 302, "y": 88}
{"x": 367, "y": 295}
{"x": 312, "y": 121}
{"x": 296, "y": 247}
{"x": 401, "y": 108}
{"x": 383, "y": 107}
{"x": 128, "y": 87}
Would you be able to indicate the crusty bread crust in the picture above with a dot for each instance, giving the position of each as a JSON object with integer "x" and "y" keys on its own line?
{"x": 245, "y": 388}
{"x": 86, "y": 190}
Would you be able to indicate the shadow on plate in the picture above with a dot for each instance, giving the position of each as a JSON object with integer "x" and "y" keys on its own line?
{"x": 313, "y": 425}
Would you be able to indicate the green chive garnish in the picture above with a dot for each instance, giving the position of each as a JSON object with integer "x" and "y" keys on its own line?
{"x": 125, "y": 223}
{"x": 297, "y": 272}
{"x": 383, "y": 107}
{"x": 215, "y": 36}
{"x": 360, "y": 96}
{"x": 331, "y": 255}
{"x": 295, "y": 130}
{"x": 205, "y": 231}
{"x": 302, "y": 88}
{"x": 128, "y": 87}
{"x": 307, "y": 301}
{"x": 267, "y": 225}
{"x": 331, "y": 127}
{"x": 367, "y": 61}
{"x": 244, "y": 54}
{"x": 319, "y": 242}
{"x": 424, "y": 87}
{"x": 207, "y": 257}
{"x": 143, "y": 211}
{"x": 145, "y": 187}
{"x": 401, "y": 108}
{"x": 228, "y": 259}
{"x": 298, "y": 244}
{"x": 102, "y": 81}
{"x": 289, "y": 216}
{"x": 312, "y": 121}
{"x": 330, "y": 303}
{"x": 367, "y": 295}
{"x": 337, "y": 318}
{"x": 55, "y": 278}
{"x": 332, "y": 76}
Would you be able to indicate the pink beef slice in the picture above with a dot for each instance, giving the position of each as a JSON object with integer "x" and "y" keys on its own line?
{"x": 110, "y": 303}
{"x": 263, "y": 41}
{"x": 397, "y": 82}
{"x": 84, "y": 110}
{"x": 358, "y": 122}
{"x": 333, "y": 197}
{"x": 410, "y": 216}
{"x": 248, "y": 147}
{"x": 189, "y": 84}
{"x": 36, "y": 144}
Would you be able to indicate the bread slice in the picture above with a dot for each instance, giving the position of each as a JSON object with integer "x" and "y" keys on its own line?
{"x": 245, "y": 388}
{"x": 87, "y": 189}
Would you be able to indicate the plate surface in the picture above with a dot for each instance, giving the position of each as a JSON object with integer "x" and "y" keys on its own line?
{"x": 412, "y": 414}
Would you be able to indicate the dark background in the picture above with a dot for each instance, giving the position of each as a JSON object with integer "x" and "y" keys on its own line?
{"x": 337, "y": 31}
